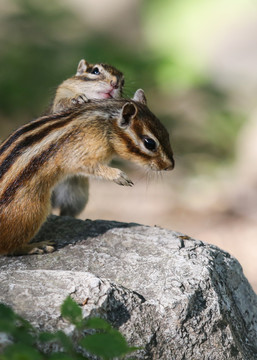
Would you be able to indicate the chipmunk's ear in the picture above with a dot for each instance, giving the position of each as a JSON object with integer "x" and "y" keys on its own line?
{"x": 128, "y": 112}
{"x": 82, "y": 67}
{"x": 140, "y": 96}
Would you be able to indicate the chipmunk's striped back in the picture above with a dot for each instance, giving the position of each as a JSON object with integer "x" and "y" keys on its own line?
{"x": 27, "y": 150}
{"x": 23, "y": 158}
{"x": 41, "y": 153}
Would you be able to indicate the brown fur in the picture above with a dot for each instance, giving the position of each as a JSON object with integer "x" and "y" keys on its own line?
{"x": 92, "y": 81}
{"x": 40, "y": 154}
{"x": 85, "y": 85}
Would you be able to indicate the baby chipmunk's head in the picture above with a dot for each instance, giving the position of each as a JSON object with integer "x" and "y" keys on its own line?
{"x": 105, "y": 81}
{"x": 143, "y": 138}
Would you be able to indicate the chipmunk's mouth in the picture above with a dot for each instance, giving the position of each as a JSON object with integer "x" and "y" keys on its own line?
{"x": 110, "y": 94}
{"x": 107, "y": 95}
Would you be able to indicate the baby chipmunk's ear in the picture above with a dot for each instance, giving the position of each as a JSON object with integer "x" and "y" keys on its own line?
{"x": 82, "y": 67}
{"x": 140, "y": 96}
{"x": 128, "y": 112}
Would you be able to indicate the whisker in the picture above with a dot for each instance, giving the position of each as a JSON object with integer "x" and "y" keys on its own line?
{"x": 148, "y": 177}
{"x": 141, "y": 178}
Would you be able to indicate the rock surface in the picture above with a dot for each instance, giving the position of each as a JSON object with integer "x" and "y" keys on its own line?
{"x": 176, "y": 297}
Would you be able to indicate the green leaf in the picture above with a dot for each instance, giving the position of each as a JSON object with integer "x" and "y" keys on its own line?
{"x": 21, "y": 335}
{"x": 6, "y": 326}
{"x": 107, "y": 345}
{"x": 63, "y": 356}
{"x": 59, "y": 336}
{"x": 8, "y": 319}
{"x": 21, "y": 352}
{"x": 13, "y": 324}
{"x": 71, "y": 311}
{"x": 98, "y": 323}
{"x": 60, "y": 356}
{"x": 65, "y": 341}
{"x": 47, "y": 337}
{"x": 25, "y": 323}
{"x": 6, "y": 313}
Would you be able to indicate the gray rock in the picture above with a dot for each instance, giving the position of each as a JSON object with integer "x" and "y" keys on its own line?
{"x": 194, "y": 302}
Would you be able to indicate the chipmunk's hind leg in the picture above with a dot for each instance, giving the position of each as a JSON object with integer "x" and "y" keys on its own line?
{"x": 35, "y": 248}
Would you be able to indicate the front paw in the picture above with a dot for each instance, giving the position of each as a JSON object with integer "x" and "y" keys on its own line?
{"x": 123, "y": 180}
{"x": 79, "y": 99}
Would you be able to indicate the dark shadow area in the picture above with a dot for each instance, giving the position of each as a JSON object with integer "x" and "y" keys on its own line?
{"x": 64, "y": 230}
{"x": 116, "y": 309}
{"x": 228, "y": 293}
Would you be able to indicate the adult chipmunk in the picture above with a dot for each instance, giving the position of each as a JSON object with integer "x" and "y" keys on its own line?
{"x": 92, "y": 81}
{"x": 79, "y": 141}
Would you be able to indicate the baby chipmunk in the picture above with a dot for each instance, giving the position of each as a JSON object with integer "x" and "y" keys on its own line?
{"x": 79, "y": 141}
{"x": 92, "y": 81}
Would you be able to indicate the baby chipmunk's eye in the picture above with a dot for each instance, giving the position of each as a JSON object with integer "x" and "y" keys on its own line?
{"x": 149, "y": 143}
{"x": 95, "y": 71}
{"x": 122, "y": 82}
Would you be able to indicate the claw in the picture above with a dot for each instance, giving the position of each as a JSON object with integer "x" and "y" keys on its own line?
{"x": 44, "y": 247}
{"x": 79, "y": 99}
{"x": 123, "y": 180}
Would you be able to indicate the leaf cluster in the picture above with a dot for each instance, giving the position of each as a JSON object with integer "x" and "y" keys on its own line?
{"x": 26, "y": 343}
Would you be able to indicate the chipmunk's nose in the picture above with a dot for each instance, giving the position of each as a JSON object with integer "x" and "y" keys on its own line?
{"x": 171, "y": 166}
{"x": 114, "y": 83}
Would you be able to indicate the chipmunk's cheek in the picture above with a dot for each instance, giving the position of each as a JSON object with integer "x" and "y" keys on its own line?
{"x": 115, "y": 94}
{"x": 153, "y": 165}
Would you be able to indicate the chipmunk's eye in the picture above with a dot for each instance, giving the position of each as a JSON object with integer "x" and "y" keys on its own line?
{"x": 95, "y": 71}
{"x": 149, "y": 143}
{"x": 122, "y": 82}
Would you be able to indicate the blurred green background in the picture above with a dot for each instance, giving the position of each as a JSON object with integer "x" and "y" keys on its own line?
{"x": 196, "y": 61}
{"x": 42, "y": 41}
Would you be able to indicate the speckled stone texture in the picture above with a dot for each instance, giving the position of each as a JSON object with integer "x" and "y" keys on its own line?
{"x": 176, "y": 297}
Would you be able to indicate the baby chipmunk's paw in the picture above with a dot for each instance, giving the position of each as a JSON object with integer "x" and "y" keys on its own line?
{"x": 79, "y": 99}
{"x": 123, "y": 180}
